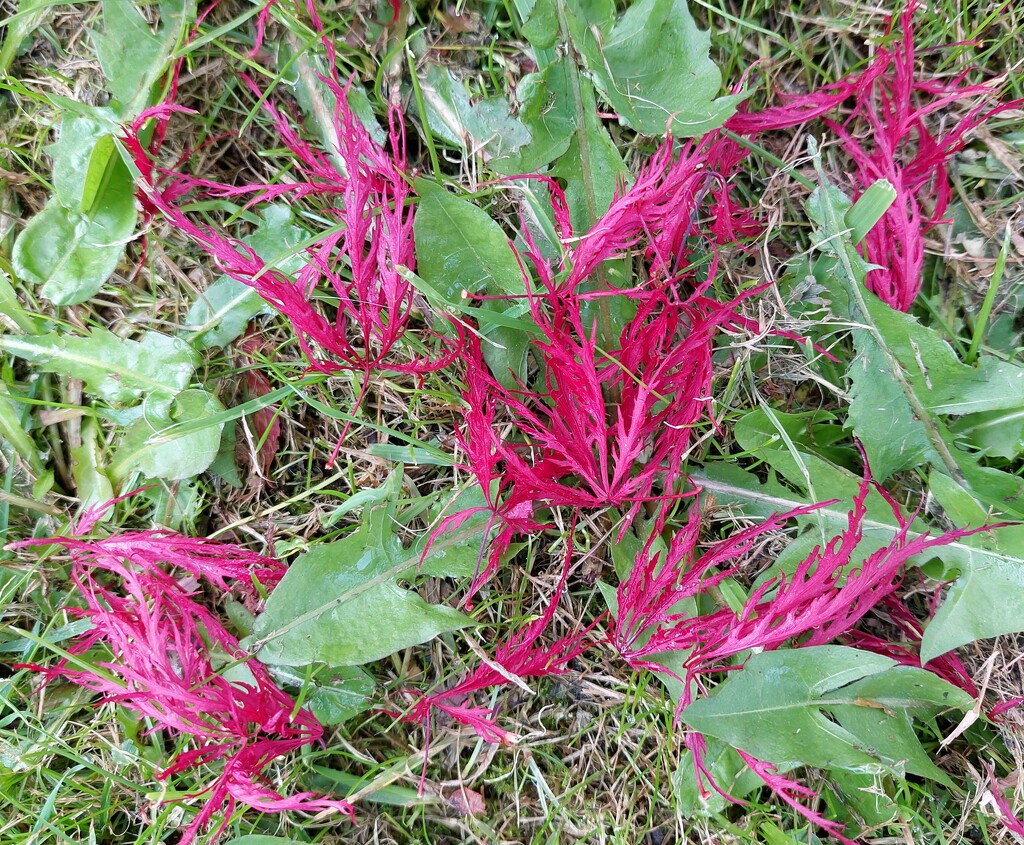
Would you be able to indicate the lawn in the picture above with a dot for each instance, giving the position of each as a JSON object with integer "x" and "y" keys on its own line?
{"x": 532, "y": 422}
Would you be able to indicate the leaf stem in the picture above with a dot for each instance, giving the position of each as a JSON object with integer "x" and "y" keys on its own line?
{"x": 388, "y": 574}
{"x": 586, "y": 167}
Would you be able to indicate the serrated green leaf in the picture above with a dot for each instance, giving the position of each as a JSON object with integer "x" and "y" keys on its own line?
{"x": 821, "y": 479}
{"x": 879, "y": 413}
{"x": 654, "y": 68}
{"x": 482, "y": 126}
{"x": 152, "y": 446}
{"x": 830, "y": 707}
{"x": 118, "y": 371}
{"x": 367, "y": 615}
{"x": 540, "y": 23}
{"x": 547, "y": 112}
{"x": 607, "y": 171}
{"x": 902, "y": 373}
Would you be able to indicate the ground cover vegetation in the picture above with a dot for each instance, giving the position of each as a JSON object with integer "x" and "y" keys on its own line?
{"x": 542, "y": 421}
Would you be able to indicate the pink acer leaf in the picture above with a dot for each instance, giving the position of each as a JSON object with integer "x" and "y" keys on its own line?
{"x": 361, "y": 188}
{"x": 947, "y": 666}
{"x": 793, "y": 794}
{"x": 160, "y": 652}
{"x": 819, "y": 602}
{"x": 822, "y": 600}
{"x": 887, "y": 137}
{"x": 522, "y": 655}
{"x": 609, "y": 427}
{"x": 1007, "y": 814}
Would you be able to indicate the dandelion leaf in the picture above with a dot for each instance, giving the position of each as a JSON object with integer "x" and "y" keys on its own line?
{"x": 485, "y": 126}
{"x": 831, "y": 707}
{"x": 904, "y": 375}
{"x": 340, "y": 603}
{"x": 116, "y": 370}
{"x": 548, "y": 113}
{"x": 155, "y": 446}
{"x": 654, "y": 69}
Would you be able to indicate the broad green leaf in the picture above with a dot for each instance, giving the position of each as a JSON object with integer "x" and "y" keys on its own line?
{"x": 461, "y": 559}
{"x": 654, "y": 69}
{"x": 73, "y": 149}
{"x": 71, "y": 255}
{"x": 225, "y": 308}
{"x": 91, "y": 482}
{"x": 459, "y": 247}
{"x": 548, "y": 113}
{"x": 980, "y": 602}
{"x": 988, "y": 568}
{"x": 590, "y": 188}
{"x": 152, "y": 445}
{"x": 831, "y": 707}
{"x": 862, "y": 799}
{"x": 482, "y": 126}
{"x": 332, "y": 695}
{"x": 340, "y": 603}
{"x": 506, "y": 349}
{"x": 116, "y": 370}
